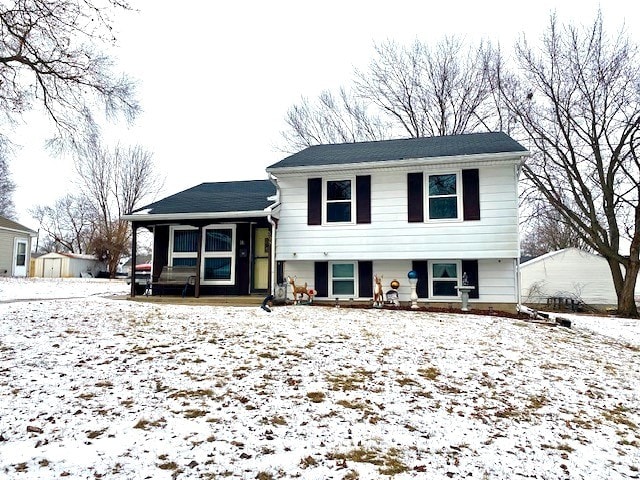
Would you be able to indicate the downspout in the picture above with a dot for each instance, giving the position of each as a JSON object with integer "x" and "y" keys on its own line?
{"x": 518, "y": 169}
{"x": 273, "y": 263}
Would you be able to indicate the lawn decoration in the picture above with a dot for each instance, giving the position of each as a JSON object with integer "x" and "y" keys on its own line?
{"x": 301, "y": 290}
{"x": 378, "y": 300}
{"x": 392, "y": 295}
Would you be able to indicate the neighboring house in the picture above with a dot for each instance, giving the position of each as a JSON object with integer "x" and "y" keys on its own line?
{"x": 444, "y": 207}
{"x": 15, "y": 248}
{"x": 568, "y": 273}
{"x": 223, "y": 230}
{"x": 66, "y": 265}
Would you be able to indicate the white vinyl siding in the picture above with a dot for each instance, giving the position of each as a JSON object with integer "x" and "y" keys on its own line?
{"x": 390, "y": 236}
{"x": 496, "y": 279}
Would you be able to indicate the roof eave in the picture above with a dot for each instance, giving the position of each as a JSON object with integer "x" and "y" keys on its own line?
{"x": 145, "y": 217}
{"x": 515, "y": 156}
{"x": 31, "y": 233}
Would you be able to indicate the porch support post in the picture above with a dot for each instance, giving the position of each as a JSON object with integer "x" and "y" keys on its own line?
{"x": 134, "y": 247}
{"x": 196, "y": 288}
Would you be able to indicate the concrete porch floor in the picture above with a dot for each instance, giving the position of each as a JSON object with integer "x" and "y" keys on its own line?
{"x": 218, "y": 300}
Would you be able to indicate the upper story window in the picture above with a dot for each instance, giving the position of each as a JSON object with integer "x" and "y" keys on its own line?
{"x": 339, "y": 201}
{"x": 442, "y": 197}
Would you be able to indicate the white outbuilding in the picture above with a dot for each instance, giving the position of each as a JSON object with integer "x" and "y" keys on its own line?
{"x": 65, "y": 265}
{"x": 570, "y": 273}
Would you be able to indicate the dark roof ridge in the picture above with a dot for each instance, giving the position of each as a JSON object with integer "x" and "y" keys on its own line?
{"x": 401, "y": 148}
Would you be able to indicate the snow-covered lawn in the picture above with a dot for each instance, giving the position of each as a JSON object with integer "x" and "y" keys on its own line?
{"x": 95, "y": 387}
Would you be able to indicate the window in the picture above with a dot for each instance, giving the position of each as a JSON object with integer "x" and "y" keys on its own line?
{"x": 21, "y": 256}
{"x": 218, "y": 252}
{"x": 443, "y": 197}
{"x": 343, "y": 280}
{"x": 444, "y": 278}
{"x": 184, "y": 247}
{"x": 339, "y": 203}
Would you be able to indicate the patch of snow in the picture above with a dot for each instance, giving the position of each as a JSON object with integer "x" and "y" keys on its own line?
{"x": 96, "y": 387}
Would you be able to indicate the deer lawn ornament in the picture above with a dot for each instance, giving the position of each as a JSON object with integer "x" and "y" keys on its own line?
{"x": 377, "y": 291}
{"x": 300, "y": 290}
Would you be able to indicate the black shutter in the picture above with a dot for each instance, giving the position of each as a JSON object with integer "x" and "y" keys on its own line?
{"x": 321, "y": 278}
{"x": 421, "y": 267}
{"x": 365, "y": 279}
{"x": 470, "y": 267}
{"x": 363, "y": 199}
{"x": 314, "y": 201}
{"x": 471, "y": 194}
{"x": 280, "y": 272}
{"x": 415, "y": 197}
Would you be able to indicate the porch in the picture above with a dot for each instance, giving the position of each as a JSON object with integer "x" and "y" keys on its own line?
{"x": 213, "y": 301}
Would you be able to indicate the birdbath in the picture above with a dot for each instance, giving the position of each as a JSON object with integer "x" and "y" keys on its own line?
{"x": 413, "y": 281}
{"x": 464, "y": 295}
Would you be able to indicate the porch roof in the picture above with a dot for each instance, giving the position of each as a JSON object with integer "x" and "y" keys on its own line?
{"x": 210, "y": 200}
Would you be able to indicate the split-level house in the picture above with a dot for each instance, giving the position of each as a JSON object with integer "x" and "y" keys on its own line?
{"x": 335, "y": 215}
{"x": 443, "y": 207}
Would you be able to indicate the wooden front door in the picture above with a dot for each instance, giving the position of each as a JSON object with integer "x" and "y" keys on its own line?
{"x": 261, "y": 251}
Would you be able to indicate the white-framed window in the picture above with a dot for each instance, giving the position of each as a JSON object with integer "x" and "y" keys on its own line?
{"x": 218, "y": 256}
{"x": 342, "y": 279}
{"x": 183, "y": 246}
{"x": 339, "y": 201}
{"x": 444, "y": 278}
{"x": 218, "y": 252}
{"x": 443, "y": 196}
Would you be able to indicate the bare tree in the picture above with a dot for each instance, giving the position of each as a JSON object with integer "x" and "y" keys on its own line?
{"x": 7, "y": 187}
{"x": 51, "y": 56}
{"x": 547, "y": 231}
{"x": 68, "y": 224}
{"x": 114, "y": 182}
{"x": 340, "y": 118}
{"x": 578, "y": 101}
{"x": 431, "y": 91}
{"x": 416, "y": 91}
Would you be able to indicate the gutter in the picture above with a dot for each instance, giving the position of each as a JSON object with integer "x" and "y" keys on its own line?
{"x": 141, "y": 217}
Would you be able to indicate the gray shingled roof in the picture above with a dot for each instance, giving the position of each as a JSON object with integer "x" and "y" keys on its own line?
{"x": 219, "y": 197}
{"x": 10, "y": 224}
{"x": 401, "y": 149}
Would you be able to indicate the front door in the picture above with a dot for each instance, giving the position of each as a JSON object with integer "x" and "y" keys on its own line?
{"x": 20, "y": 258}
{"x": 261, "y": 250}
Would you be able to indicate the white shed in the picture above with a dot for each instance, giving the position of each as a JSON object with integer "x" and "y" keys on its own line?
{"x": 569, "y": 273}
{"x": 60, "y": 265}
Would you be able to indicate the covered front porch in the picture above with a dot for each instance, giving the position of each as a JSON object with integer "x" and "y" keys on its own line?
{"x": 219, "y": 236}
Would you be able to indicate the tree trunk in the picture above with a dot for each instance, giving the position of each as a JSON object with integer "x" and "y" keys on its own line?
{"x": 625, "y": 287}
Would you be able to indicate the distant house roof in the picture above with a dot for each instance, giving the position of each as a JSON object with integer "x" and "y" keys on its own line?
{"x": 7, "y": 224}
{"x": 207, "y": 199}
{"x": 402, "y": 149}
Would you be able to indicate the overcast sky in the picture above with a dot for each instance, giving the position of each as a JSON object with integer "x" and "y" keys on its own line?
{"x": 217, "y": 78}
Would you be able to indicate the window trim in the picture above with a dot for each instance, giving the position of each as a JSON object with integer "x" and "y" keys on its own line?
{"x": 325, "y": 191}
{"x": 433, "y": 278}
{"x": 458, "y": 195}
{"x": 355, "y": 279}
{"x": 204, "y": 254}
